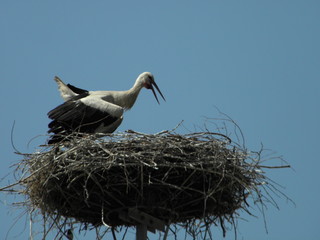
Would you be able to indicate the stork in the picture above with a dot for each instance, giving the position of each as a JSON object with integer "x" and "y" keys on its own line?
{"x": 94, "y": 111}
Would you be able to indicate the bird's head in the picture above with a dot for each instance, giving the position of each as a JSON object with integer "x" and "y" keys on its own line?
{"x": 146, "y": 79}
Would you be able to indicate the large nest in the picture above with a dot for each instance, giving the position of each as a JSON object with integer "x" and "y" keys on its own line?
{"x": 172, "y": 177}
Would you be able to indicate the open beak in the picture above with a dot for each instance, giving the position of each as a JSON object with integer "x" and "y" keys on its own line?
{"x": 153, "y": 83}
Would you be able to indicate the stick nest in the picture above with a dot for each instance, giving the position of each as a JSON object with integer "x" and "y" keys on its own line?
{"x": 175, "y": 178}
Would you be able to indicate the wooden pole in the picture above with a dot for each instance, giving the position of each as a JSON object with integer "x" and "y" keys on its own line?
{"x": 143, "y": 221}
{"x": 141, "y": 232}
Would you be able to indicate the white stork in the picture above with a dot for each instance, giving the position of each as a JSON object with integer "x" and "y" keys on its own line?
{"x": 94, "y": 111}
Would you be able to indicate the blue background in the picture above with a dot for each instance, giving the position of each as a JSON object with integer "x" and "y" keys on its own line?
{"x": 257, "y": 61}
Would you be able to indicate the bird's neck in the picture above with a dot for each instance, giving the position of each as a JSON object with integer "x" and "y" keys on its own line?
{"x": 131, "y": 96}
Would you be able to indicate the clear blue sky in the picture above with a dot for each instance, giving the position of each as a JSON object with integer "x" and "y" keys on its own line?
{"x": 257, "y": 61}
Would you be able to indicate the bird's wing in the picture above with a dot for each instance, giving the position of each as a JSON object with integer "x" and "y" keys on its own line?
{"x": 65, "y": 92}
{"x": 77, "y": 90}
{"x": 96, "y": 102}
{"x": 85, "y": 113}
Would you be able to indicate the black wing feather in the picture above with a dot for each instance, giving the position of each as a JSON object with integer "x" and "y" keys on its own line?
{"x": 75, "y": 116}
{"x": 77, "y": 90}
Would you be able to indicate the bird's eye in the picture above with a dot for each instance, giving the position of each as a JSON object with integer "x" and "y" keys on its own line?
{"x": 146, "y": 85}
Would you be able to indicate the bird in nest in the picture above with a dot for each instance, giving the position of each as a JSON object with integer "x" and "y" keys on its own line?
{"x": 94, "y": 111}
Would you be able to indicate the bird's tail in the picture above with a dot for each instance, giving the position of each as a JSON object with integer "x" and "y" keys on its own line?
{"x": 65, "y": 92}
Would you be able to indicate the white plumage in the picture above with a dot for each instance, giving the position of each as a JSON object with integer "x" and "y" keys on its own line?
{"x": 94, "y": 111}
